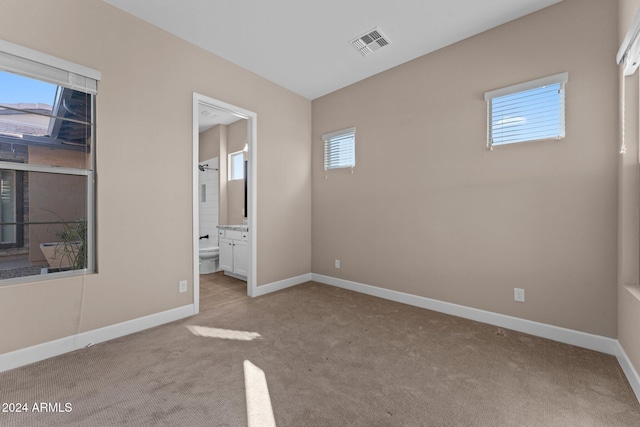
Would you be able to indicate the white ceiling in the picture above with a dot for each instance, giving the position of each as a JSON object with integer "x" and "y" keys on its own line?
{"x": 209, "y": 117}
{"x": 303, "y": 45}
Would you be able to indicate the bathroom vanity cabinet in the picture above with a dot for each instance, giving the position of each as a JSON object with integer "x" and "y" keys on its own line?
{"x": 234, "y": 250}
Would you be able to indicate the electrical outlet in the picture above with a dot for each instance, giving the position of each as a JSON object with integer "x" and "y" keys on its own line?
{"x": 518, "y": 294}
{"x": 182, "y": 286}
{"x": 337, "y": 263}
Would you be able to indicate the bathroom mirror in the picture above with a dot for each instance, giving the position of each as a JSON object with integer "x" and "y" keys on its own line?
{"x": 246, "y": 178}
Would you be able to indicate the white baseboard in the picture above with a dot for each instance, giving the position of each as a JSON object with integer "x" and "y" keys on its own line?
{"x": 568, "y": 336}
{"x": 281, "y": 284}
{"x": 555, "y": 333}
{"x": 606, "y": 345}
{"x": 629, "y": 371}
{"x": 36, "y": 353}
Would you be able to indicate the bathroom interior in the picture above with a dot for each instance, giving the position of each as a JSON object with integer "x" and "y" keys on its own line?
{"x": 222, "y": 196}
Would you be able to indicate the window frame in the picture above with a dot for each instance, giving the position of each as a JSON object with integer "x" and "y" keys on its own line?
{"x": 331, "y": 141}
{"x": 560, "y": 78}
{"x": 40, "y": 66}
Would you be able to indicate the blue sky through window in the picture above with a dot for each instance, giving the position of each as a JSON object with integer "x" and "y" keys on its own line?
{"x": 16, "y": 89}
{"x": 528, "y": 115}
{"x": 236, "y": 171}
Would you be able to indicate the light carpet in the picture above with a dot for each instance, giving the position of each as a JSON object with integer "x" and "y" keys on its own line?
{"x": 331, "y": 357}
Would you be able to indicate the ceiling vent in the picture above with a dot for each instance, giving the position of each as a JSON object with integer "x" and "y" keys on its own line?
{"x": 370, "y": 41}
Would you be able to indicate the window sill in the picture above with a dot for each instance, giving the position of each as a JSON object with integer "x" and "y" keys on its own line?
{"x": 38, "y": 278}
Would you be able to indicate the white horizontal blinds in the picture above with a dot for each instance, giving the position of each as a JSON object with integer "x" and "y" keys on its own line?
{"x": 339, "y": 149}
{"x": 527, "y": 112}
{"x": 629, "y": 52}
{"x": 30, "y": 63}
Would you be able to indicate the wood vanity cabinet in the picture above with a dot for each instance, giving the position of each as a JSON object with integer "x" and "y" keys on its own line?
{"x": 234, "y": 252}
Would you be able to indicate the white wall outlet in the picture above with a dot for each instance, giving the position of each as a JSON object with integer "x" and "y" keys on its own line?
{"x": 518, "y": 294}
{"x": 182, "y": 286}
{"x": 337, "y": 263}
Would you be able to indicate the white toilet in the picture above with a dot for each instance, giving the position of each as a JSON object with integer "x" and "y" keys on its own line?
{"x": 209, "y": 257}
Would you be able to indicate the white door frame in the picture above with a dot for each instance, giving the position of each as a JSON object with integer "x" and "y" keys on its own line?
{"x": 252, "y": 121}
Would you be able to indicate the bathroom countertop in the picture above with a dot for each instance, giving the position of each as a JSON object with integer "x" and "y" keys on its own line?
{"x": 234, "y": 227}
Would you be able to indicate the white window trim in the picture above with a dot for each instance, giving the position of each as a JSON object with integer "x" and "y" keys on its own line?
{"x": 521, "y": 87}
{"x": 560, "y": 78}
{"x": 327, "y": 137}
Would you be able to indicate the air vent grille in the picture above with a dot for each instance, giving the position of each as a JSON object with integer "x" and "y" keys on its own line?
{"x": 370, "y": 41}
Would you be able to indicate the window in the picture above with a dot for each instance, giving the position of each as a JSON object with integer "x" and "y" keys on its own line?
{"x": 528, "y": 111}
{"x": 236, "y": 166}
{"x": 11, "y": 209}
{"x": 340, "y": 149}
{"x": 47, "y": 158}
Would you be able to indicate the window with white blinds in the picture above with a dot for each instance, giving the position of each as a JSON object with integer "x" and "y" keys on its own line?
{"x": 528, "y": 111}
{"x": 340, "y": 149}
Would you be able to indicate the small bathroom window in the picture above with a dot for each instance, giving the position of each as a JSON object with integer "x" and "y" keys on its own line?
{"x": 236, "y": 166}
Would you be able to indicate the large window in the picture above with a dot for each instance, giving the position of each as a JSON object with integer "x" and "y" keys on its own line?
{"x": 528, "y": 111}
{"x": 47, "y": 158}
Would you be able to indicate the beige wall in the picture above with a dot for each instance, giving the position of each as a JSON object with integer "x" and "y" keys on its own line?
{"x": 213, "y": 143}
{"x": 431, "y": 212}
{"x": 144, "y": 166}
{"x": 209, "y": 143}
{"x": 628, "y": 237}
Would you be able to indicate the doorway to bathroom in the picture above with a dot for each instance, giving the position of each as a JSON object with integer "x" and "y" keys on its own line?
{"x": 224, "y": 188}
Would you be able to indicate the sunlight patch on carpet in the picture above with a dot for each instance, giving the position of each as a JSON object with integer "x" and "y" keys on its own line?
{"x": 226, "y": 334}
{"x": 259, "y": 410}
